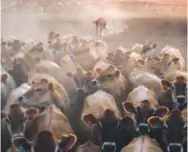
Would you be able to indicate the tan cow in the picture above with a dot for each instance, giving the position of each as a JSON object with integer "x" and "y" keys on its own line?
{"x": 151, "y": 81}
{"x": 141, "y": 93}
{"x": 172, "y": 75}
{"x": 45, "y": 90}
{"x": 47, "y": 130}
{"x": 171, "y": 59}
{"x": 97, "y": 103}
{"x": 141, "y": 103}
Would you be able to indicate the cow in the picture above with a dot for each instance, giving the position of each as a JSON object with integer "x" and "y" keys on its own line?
{"x": 15, "y": 94}
{"x": 171, "y": 76}
{"x": 49, "y": 131}
{"x": 45, "y": 90}
{"x": 7, "y": 85}
{"x": 20, "y": 71}
{"x": 100, "y": 24}
{"x": 142, "y": 143}
{"x": 151, "y": 81}
{"x": 174, "y": 127}
{"x": 144, "y": 139}
{"x": 143, "y": 49}
{"x": 109, "y": 131}
{"x": 12, "y": 125}
{"x": 103, "y": 118}
{"x": 142, "y": 107}
{"x": 57, "y": 75}
{"x": 171, "y": 59}
{"x": 180, "y": 91}
{"x": 167, "y": 97}
{"x": 112, "y": 81}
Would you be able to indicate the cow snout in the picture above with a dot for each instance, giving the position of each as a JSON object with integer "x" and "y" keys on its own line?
{"x": 18, "y": 135}
{"x": 175, "y": 147}
{"x": 79, "y": 90}
{"x": 95, "y": 83}
{"x": 20, "y": 99}
{"x": 181, "y": 99}
{"x": 20, "y": 140}
{"x": 109, "y": 147}
{"x": 143, "y": 128}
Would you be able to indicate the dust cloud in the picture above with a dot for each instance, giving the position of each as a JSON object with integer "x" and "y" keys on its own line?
{"x": 127, "y": 24}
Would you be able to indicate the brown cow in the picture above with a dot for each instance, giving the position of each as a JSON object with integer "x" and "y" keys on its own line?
{"x": 103, "y": 119}
{"x": 175, "y": 126}
{"x": 100, "y": 24}
{"x": 49, "y": 130}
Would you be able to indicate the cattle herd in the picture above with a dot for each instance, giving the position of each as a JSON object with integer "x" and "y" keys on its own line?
{"x": 71, "y": 94}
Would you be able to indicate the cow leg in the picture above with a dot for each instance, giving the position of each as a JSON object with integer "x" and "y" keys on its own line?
{"x": 96, "y": 30}
{"x": 100, "y": 33}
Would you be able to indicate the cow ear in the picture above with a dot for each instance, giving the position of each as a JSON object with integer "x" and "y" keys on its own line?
{"x": 8, "y": 119}
{"x": 17, "y": 141}
{"x": 140, "y": 62}
{"x": 89, "y": 118}
{"x": 44, "y": 80}
{"x": 51, "y": 86}
{"x": 162, "y": 111}
{"x": 98, "y": 70}
{"x": 128, "y": 107}
{"x": 67, "y": 142}
{"x": 31, "y": 112}
{"x": 155, "y": 122}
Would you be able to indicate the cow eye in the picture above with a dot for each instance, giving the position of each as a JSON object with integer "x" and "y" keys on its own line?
{"x": 109, "y": 76}
{"x": 8, "y": 120}
{"x": 38, "y": 90}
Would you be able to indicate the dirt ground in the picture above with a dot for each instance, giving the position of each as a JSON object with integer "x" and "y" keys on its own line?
{"x": 128, "y": 24}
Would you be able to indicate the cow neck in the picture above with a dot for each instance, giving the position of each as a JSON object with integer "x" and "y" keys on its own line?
{"x": 50, "y": 118}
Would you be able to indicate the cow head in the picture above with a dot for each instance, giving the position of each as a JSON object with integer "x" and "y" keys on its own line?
{"x": 108, "y": 130}
{"x": 106, "y": 76}
{"x": 15, "y": 121}
{"x": 39, "y": 94}
{"x": 90, "y": 85}
{"x": 45, "y": 141}
{"x": 175, "y": 127}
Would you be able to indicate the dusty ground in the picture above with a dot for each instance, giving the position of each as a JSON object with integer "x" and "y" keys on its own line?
{"x": 128, "y": 23}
